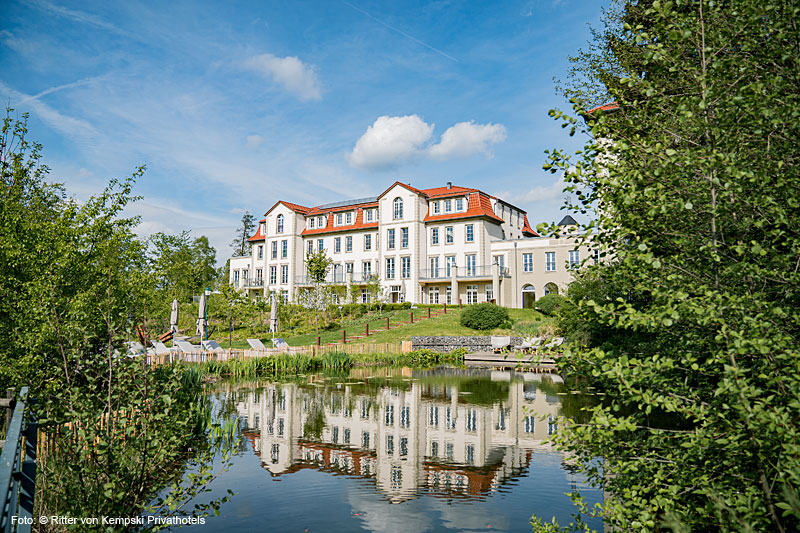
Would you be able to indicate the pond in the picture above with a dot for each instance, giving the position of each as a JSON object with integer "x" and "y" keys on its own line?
{"x": 397, "y": 450}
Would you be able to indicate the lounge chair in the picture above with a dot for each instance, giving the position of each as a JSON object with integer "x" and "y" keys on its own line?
{"x": 256, "y": 344}
{"x": 554, "y": 343}
{"x": 212, "y": 346}
{"x": 528, "y": 345}
{"x": 278, "y": 342}
{"x": 500, "y": 343}
{"x": 135, "y": 348}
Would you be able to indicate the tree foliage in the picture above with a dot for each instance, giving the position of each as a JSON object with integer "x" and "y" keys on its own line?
{"x": 694, "y": 181}
{"x": 241, "y": 246}
{"x": 483, "y": 316}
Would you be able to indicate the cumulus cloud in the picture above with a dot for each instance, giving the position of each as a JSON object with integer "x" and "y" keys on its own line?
{"x": 390, "y": 141}
{"x": 467, "y": 138}
{"x": 294, "y": 75}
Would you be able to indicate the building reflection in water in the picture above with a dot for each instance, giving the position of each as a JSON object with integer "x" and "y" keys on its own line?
{"x": 423, "y": 436}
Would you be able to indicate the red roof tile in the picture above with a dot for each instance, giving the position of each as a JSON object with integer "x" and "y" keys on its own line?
{"x": 258, "y": 236}
{"x": 441, "y": 192}
{"x": 294, "y": 207}
{"x": 358, "y": 224}
{"x": 409, "y": 187}
{"x": 605, "y": 107}
{"x": 480, "y": 205}
{"x": 527, "y": 229}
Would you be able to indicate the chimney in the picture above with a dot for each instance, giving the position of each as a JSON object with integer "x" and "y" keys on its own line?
{"x": 449, "y": 185}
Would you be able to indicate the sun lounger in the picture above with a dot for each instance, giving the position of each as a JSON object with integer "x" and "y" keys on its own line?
{"x": 500, "y": 343}
{"x": 256, "y": 344}
{"x": 528, "y": 345}
{"x": 278, "y": 342}
{"x": 212, "y": 346}
{"x": 135, "y": 348}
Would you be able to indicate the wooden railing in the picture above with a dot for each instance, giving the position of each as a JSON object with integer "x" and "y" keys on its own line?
{"x": 18, "y": 466}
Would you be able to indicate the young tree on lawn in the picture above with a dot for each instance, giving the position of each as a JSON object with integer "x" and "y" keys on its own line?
{"x": 318, "y": 264}
{"x": 241, "y": 247}
{"x": 695, "y": 184}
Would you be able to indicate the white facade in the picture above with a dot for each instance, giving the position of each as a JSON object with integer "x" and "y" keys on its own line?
{"x": 441, "y": 245}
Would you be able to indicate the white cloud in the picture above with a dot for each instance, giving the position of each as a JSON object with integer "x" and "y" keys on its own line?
{"x": 295, "y": 76}
{"x": 467, "y": 138}
{"x": 541, "y": 193}
{"x": 390, "y": 141}
{"x": 254, "y": 141}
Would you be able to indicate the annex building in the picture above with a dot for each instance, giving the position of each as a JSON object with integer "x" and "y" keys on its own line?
{"x": 430, "y": 246}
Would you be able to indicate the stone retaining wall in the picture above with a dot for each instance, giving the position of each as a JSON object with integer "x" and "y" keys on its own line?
{"x": 450, "y": 343}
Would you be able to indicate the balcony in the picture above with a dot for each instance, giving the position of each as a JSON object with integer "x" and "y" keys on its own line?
{"x": 339, "y": 277}
{"x": 475, "y": 272}
{"x": 258, "y": 282}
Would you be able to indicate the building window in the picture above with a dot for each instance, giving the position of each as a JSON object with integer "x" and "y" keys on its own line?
{"x": 472, "y": 419}
{"x": 527, "y": 262}
{"x": 550, "y": 261}
{"x": 489, "y": 292}
{"x": 435, "y": 208}
{"x": 261, "y": 251}
{"x": 434, "y": 262}
{"x": 320, "y": 246}
{"x": 405, "y": 416}
{"x": 472, "y": 294}
{"x": 433, "y": 296}
{"x": 470, "y": 233}
{"x": 403, "y": 237}
{"x": 448, "y": 295}
{"x": 434, "y": 449}
{"x": 236, "y": 275}
{"x": 364, "y": 296}
{"x": 390, "y": 268}
{"x": 348, "y": 243}
{"x": 596, "y": 255}
{"x": 311, "y": 223}
{"x": 366, "y": 269}
{"x": 369, "y": 215}
{"x": 337, "y": 273}
{"x": 448, "y": 450}
{"x": 348, "y": 218}
{"x": 321, "y": 221}
{"x": 501, "y": 262}
{"x": 403, "y": 446}
{"x": 471, "y": 269}
{"x": 434, "y": 235}
{"x": 348, "y": 267}
{"x": 552, "y": 424}
{"x": 388, "y": 416}
{"x": 279, "y": 224}
{"x": 365, "y": 439}
{"x": 390, "y": 446}
{"x": 259, "y": 275}
{"x": 448, "y": 206}
{"x": 398, "y": 208}
{"x": 274, "y": 249}
{"x": 337, "y": 245}
{"x": 273, "y": 275}
{"x": 284, "y": 274}
{"x": 367, "y": 242}
{"x": 459, "y": 204}
{"x": 448, "y": 235}
{"x": 310, "y": 247}
{"x": 284, "y": 248}
{"x": 529, "y": 424}
{"x": 574, "y": 258}
{"x": 405, "y": 267}
{"x": 449, "y": 265}
{"x": 390, "y": 239}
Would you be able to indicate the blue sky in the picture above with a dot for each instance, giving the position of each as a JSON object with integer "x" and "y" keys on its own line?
{"x": 234, "y": 105}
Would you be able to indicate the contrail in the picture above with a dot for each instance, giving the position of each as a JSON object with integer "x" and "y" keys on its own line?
{"x": 401, "y": 32}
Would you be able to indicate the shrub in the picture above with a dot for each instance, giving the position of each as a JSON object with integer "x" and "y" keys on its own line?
{"x": 549, "y": 304}
{"x": 484, "y": 316}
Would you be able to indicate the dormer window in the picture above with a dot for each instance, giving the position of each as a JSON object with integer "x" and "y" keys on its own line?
{"x": 279, "y": 224}
{"x": 435, "y": 208}
{"x": 398, "y": 208}
{"x": 339, "y": 219}
{"x": 369, "y": 215}
{"x": 348, "y": 218}
{"x": 311, "y": 223}
{"x": 321, "y": 221}
{"x": 448, "y": 206}
{"x": 459, "y": 204}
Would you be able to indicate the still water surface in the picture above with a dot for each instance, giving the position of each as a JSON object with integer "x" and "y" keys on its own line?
{"x": 397, "y": 450}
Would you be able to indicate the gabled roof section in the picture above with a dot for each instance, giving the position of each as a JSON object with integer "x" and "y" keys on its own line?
{"x": 409, "y": 187}
{"x": 527, "y": 229}
{"x": 363, "y": 203}
{"x": 444, "y": 192}
{"x": 568, "y": 221}
{"x": 303, "y": 210}
{"x": 479, "y": 205}
{"x": 358, "y": 224}
{"x": 259, "y": 236}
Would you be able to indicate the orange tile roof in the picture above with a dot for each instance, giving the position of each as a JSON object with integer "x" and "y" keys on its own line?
{"x": 480, "y": 205}
{"x": 441, "y": 192}
{"x": 258, "y": 236}
{"x": 314, "y": 211}
{"x": 605, "y": 107}
{"x": 294, "y": 207}
{"x": 526, "y": 227}
{"x": 407, "y": 186}
{"x": 358, "y": 224}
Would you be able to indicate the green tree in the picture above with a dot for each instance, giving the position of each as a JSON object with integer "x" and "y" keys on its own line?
{"x": 318, "y": 264}
{"x": 182, "y": 267}
{"x": 241, "y": 246}
{"x": 694, "y": 181}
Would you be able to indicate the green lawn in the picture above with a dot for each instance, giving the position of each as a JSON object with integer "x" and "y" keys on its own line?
{"x": 525, "y": 322}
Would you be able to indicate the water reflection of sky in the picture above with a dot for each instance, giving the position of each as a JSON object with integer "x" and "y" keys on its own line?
{"x": 472, "y": 455}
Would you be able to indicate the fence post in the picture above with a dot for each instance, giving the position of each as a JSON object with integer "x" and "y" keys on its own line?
{"x": 319, "y": 341}
{"x": 366, "y": 329}
{"x": 412, "y": 317}
{"x": 387, "y": 322}
{"x": 344, "y": 336}
{"x": 459, "y": 303}
{"x": 429, "y": 312}
{"x": 445, "y": 308}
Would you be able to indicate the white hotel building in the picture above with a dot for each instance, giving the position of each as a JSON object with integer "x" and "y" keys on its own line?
{"x": 430, "y": 246}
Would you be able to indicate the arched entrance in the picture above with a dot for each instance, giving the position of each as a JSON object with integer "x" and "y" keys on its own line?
{"x": 550, "y": 288}
{"x": 528, "y": 296}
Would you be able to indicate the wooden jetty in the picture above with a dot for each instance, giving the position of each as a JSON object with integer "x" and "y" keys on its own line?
{"x": 541, "y": 362}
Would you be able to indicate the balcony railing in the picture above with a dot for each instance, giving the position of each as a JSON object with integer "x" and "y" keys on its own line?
{"x": 338, "y": 277}
{"x": 478, "y": 271}
{"x": 254, "y": 282}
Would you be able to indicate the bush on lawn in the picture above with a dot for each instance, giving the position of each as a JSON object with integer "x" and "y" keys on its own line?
{"x": 550, "y": 303}
{"x": 484, "y": 316}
